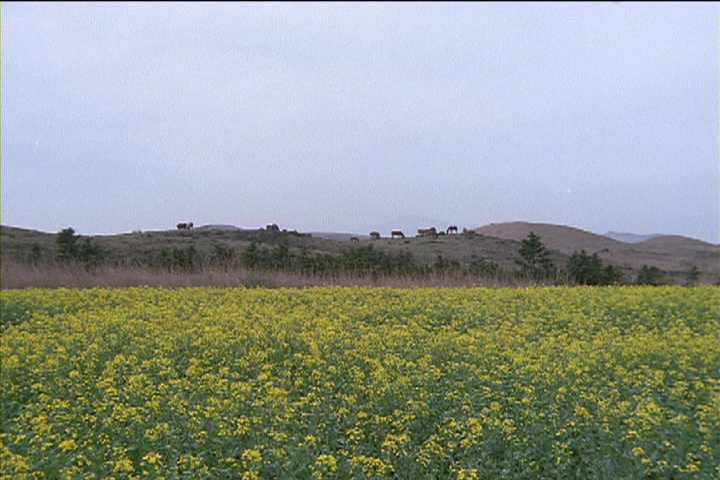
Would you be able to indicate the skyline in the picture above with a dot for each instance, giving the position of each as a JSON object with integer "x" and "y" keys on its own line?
{"x": 345, "y": 117}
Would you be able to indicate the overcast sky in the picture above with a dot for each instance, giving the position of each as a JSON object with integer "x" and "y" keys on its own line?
{"x": 349, "y": 117}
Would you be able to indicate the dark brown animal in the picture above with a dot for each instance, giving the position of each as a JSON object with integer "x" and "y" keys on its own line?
{"x": 427, "y": 232}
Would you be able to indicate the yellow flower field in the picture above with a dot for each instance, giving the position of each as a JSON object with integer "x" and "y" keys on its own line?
{"x": 466, "y": 383}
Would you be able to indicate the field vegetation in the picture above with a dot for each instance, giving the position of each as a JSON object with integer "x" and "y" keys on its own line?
{"x": 270, "y": 257}
{"x": 329, "y": 382}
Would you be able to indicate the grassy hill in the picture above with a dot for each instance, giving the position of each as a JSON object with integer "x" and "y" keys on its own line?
{"x": 489, "y": 255}
{"x": 673, "y": 254}
{"x": 560, "y": 237}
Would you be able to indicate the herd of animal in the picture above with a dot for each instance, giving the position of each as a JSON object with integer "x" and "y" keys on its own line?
{"x": 422, "y": 232}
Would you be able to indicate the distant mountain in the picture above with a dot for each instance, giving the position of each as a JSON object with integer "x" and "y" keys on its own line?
{"x": 630, "y": 237}
{"x": 678, "y": 243}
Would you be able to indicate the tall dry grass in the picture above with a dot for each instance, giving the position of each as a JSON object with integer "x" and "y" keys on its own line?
{"x": 52, "y": 275}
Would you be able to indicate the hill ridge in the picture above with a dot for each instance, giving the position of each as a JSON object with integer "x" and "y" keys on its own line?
{"x": 510, "y": 231}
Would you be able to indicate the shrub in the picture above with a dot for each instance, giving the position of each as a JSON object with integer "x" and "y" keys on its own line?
{"x": 67, "y": 245}
{"x": 585, "y": 269}
{"x": 69, "y": 248}
{"x": 649, "y": 276}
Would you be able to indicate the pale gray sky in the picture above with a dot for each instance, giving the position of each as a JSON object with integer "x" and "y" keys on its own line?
{"x": 346, "y": 117}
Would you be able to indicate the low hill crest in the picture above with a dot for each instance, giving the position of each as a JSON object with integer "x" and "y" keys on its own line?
{"x": 559, "y": 237}
{"x": 568, "y": 239}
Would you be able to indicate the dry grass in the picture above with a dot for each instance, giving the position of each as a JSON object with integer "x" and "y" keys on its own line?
{"x": 15, "y": 275}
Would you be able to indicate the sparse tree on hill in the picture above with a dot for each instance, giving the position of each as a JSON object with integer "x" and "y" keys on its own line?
{"x": 67, "y": 243}
{"x": 536, "y": 262}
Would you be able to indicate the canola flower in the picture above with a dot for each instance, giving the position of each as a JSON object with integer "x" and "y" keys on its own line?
{"x": 347, "y": 383}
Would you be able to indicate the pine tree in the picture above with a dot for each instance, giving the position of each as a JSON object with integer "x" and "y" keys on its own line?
{"x": 536, "y": 262}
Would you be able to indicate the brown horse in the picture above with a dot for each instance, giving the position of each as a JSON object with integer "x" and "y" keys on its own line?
{"x": 427, "y": 232}
{"x": 354, "y": 239}
{"x": 397, "y": 233}
{"x": 184, "y": 226}
{"x": 451, "y": 229}
{"x": 375, "y": 235}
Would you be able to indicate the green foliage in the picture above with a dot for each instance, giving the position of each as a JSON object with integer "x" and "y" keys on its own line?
{"x": 35, "y": 257}
{"x": 612, "y": 275}
{"x": 186, "y": 259}
{"x": 584, "y": 269}
{"x": 649, "y": 276}
{"x": 262, "y": 258}
{"x": 536, "y": 262}
{"x": 482, "y": 267}
{"x": 67, "y": 245}
{"x": 692, "y": 275}
{"x": 90, "y": 254}
{"x": 366, "y": 260}
{"x": 222, "y": 255}
{"x": 71, "y": 249}
{"x": 280, "y": 257}
{"x": 250, "y": 255}
{"x": 360, "y": 261}
{"x": 443, "y": 265}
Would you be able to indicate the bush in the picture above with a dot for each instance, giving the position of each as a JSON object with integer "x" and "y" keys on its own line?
{"x": 649, "y": 276}
{"x": 69, "y": 248}
{"x": 359, "y": 261}
{"x": 482, "y": 267}
{"x": 67, "y": 245}
{"x": 585, "y": 269}
{"x": 692, "y": 275}
{"x": 178, "y": 259}
{"x": 90, "y": 254}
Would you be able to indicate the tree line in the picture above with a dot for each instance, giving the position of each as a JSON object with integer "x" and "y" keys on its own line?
{"x": 534, "y": 262}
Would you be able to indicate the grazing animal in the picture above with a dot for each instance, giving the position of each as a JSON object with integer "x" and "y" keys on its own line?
{"x": 397, "y": 233}
{"x": 354, "y": 239}
{"x": 452, "y": 228}
{"x": 427, "y": 232}
{"x": 375, "y": 235}
{"x": 184, "y": 226}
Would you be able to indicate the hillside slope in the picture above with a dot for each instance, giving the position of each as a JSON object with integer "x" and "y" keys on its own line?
{"x": 673, "y": 254}
{"x": 559, "y": 237}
